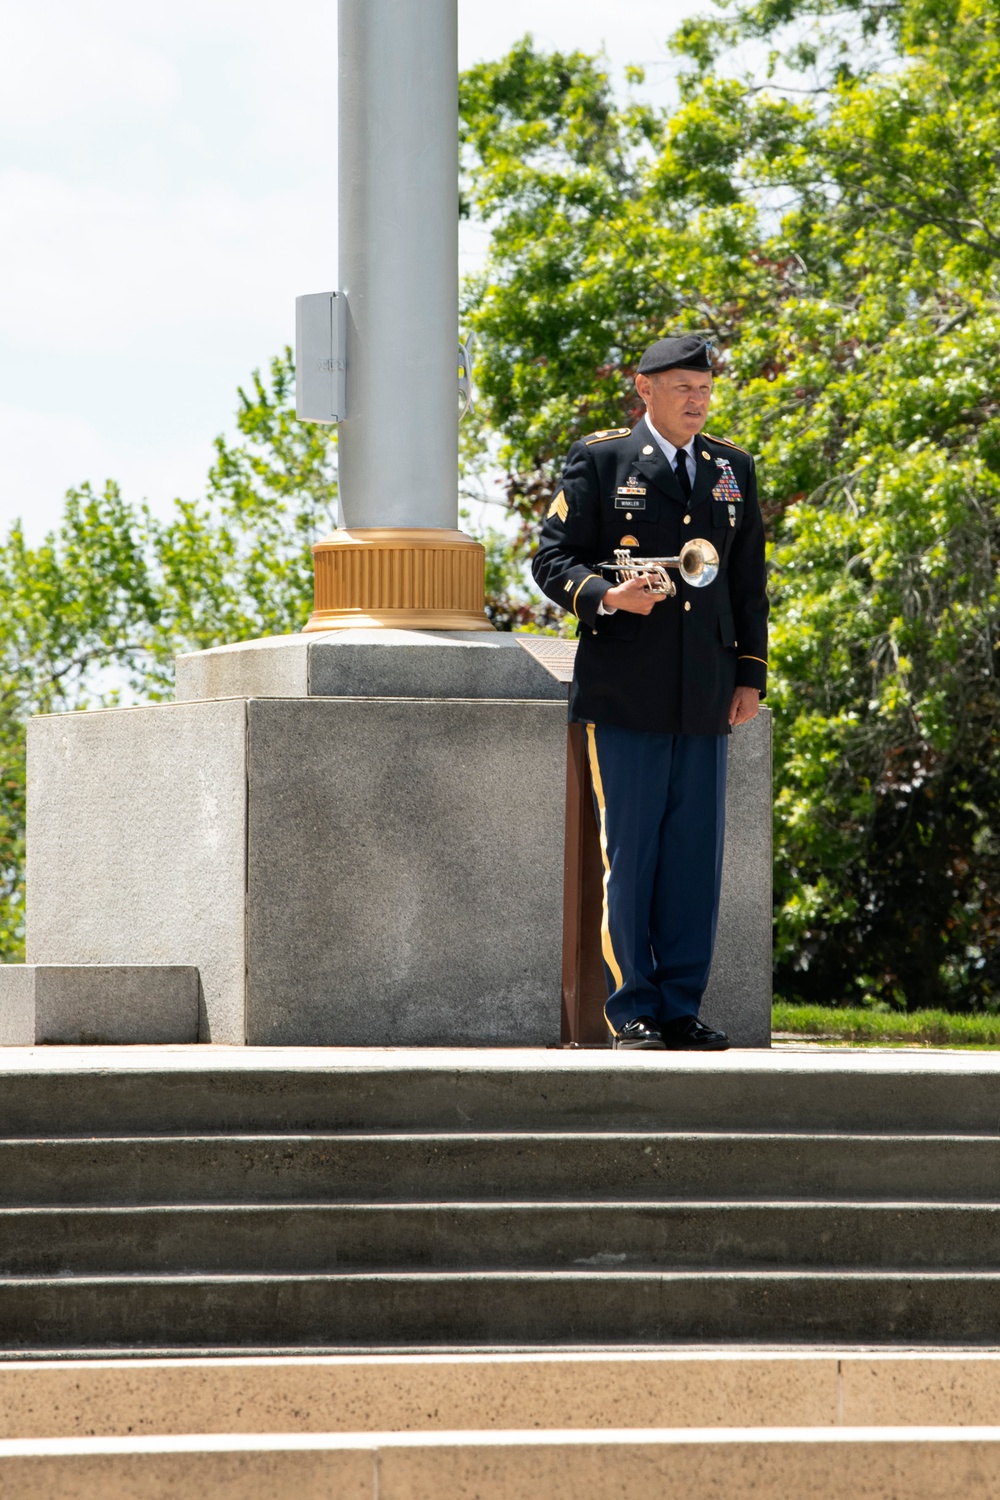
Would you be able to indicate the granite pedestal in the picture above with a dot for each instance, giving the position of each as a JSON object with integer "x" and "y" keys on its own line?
{"x": 739, "y": 991}
{"x": 340, "y": 871}
{"x": 97, "y": 1004}
{"x": 369, "y": 663}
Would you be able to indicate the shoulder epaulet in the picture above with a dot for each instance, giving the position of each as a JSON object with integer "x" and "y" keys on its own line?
{"x": 606, "y": 434}
{"x": 725, "y": 443}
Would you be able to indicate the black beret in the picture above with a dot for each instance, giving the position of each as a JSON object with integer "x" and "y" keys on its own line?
{"x": 686, "y": 353}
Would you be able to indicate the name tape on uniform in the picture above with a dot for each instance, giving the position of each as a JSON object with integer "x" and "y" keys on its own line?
{"x": 631, "y": 496}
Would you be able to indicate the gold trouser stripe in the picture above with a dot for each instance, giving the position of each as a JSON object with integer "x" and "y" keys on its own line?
{"x": 572, "y": 603}
{"x": 754, "y": 658}
{"x": 606, "y": 946}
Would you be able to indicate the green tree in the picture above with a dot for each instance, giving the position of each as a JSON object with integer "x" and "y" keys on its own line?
{"x": 238, "y": 564}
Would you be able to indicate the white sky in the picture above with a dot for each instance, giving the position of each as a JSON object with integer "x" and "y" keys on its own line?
{"x": 166, "y": 188}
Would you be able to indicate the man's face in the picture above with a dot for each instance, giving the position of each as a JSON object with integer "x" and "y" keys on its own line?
{"x": 677, "y": 402}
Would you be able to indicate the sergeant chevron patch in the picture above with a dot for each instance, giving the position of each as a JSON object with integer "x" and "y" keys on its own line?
{"x": 558, "y": 508}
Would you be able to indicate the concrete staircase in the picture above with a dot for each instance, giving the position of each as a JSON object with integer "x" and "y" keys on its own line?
{"x": 225, "y": 1199}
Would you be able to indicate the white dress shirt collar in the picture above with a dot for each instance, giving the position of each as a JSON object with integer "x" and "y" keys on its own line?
{"x": 668, "y": 450}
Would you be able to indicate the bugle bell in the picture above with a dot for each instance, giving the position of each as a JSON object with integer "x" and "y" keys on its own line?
{"x": 697, "y": 562}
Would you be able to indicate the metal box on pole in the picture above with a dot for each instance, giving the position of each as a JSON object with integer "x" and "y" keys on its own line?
{"x": 320, "y": 357}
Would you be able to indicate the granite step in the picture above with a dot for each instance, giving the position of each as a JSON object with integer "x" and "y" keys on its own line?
{"x": 248, "y": 1091}
{"x": 154, "y": 1238}
{"x": 560, "y": 1166}
{"x": 477, "y": 1308}
{"x": 151, "y": 1201}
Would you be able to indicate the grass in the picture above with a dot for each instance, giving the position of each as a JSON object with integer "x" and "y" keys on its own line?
{"x": 930, "y": 1028}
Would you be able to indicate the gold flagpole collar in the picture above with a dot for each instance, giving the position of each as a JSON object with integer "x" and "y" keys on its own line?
{"x": 407, "y": 578}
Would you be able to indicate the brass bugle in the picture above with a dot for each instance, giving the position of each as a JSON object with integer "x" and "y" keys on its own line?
{"x": 697, "y": 562}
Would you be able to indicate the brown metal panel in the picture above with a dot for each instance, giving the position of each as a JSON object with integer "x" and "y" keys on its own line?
{"x": 584, "y": 985}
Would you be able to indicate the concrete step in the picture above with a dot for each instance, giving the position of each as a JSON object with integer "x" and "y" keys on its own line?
{"x": 498, "y": 1308}
{"x": 205, "y": 1090}
{"x": 866, "y": 1463}
{"x": 490, "y": 1236}
{"x": 735, "y": 1386}
{"x": 599, "y": 1165}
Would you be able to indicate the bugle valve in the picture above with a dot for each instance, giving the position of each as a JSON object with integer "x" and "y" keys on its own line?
{"x": 697, "y": 562}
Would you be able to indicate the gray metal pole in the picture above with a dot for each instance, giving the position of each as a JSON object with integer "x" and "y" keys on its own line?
{"x": 398, "y": 245}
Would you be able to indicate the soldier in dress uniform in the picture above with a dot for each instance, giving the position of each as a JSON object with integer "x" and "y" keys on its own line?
{"x": 659, "y": 682}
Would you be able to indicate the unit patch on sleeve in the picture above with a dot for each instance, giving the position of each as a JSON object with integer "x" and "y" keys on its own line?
{"x": 558, "y": 508}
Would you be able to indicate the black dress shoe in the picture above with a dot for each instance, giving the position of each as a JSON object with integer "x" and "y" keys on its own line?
{"x": 642, "y": 1034}
{"x": 688, "y": 1034}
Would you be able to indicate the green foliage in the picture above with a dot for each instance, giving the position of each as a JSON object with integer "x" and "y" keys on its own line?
{"x": 871, "y": 1027}
{"x": 550, "y": 166}
{"x": 512, "y": 602}
{"x": 839, "y": 237}
{"x": 238, "y": 564}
